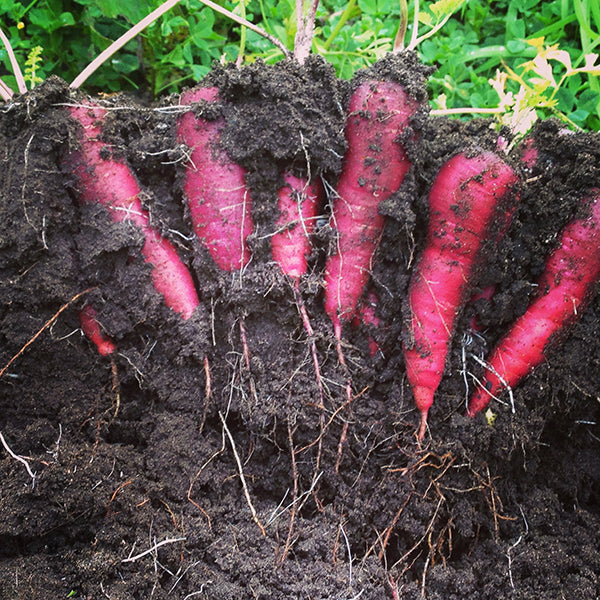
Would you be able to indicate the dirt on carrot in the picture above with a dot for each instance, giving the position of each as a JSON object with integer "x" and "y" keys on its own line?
{"x": 198, "y": 461}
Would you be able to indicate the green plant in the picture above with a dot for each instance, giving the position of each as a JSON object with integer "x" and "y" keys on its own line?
{"x": 546, "y": 87}
{"x": 32, "y": 66}
{"x": 478, "y": 37}
{"x": 486, "y": 37}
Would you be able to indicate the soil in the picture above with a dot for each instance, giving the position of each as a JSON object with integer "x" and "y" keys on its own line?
{"x": 153, "y": 480}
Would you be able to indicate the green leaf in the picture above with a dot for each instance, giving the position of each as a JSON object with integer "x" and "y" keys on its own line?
{"x": 199, "y": 71}
{"x": 518, "y": 29}
{"x": 588, "y": 100}
{"x": 125, "y": 63}
{"x": 201, "y": 29}
{"x": 566, "y": 99}
{"x": 175, "y": 57}
{"x": 579, "y": 116}
{"x": 132, "y": 11}
{"x": 67, "y": 19}
{"x": 168, "y": 26}
{"x": 187, "y": 53}
{"x": 368, "y": 6}
{"x": 442, "y": 8}
{"x": 516, "y": 46}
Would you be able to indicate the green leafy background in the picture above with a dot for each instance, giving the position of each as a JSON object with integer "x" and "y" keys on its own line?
{"x": 480, "y": 37}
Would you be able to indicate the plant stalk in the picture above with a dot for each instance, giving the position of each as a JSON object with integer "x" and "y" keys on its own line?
{"x": 305, "y": 29}
{"x": 242, "y": 50}
{"x": 345, "y": 16}
{"x": 21, "y": 85}
{"x": 402, "y": 27}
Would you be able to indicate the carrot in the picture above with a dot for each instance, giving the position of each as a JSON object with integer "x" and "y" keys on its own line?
{"x": 565, "y": 286}
{"x": 299, "y": 202}
{"x": 374, "y": 168}
{"x": 91, "y": 328}
{"x": 111, "y": 183}
{"x": 215, "y": 187}
{"x": 469, "y": 195}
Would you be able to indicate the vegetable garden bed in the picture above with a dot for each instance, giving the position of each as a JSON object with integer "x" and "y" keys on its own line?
{"x": 198, "y": 460}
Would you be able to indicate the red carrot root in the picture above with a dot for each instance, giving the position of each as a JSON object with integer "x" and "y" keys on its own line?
{"x": 569, "y": 277}
{"x": 104, "y": 345}
{"x": 469, "y": 195}
{"x": 91, "y": 328}
{"x": 215, "y": 187}
{"x": 374, "y": 168}
{"x": 111, "y": 183}
{"x": 299, "y": 204}
{"x": 219, "y": 201}
{"x": 528, "y": 153}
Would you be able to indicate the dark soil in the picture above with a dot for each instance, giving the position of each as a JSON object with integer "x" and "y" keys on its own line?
{"x": 149, "y": 483}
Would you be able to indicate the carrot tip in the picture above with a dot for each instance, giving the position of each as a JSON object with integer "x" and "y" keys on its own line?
{"x": 423, "y": 425}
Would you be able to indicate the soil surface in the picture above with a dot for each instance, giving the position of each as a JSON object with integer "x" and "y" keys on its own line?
{"x": 198, "y": 460}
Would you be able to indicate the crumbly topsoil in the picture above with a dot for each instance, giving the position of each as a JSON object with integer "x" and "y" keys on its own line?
{"x": 153, "y": 481}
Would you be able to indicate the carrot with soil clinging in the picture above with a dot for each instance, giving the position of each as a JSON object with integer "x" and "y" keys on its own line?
{"x": 299, "y": 202}
{"x": 215, "y": 187}
{"x": 110, "y": 182}
{"x": 529, "y": 153}
{"x": 219, "y": 201}
{"x": 568, "y": 279}
{"x": 374, "y": 168}
{"x": 468, "y": 197}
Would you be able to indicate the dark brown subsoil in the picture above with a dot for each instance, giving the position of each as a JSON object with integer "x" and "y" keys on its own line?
{"x": 150, "y": 483}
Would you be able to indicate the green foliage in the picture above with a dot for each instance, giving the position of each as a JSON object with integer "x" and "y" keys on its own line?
{"x": 489, "y": 36}
{"x": 544, "y": 85}
{"x": 477, "y": 39}
{"x": 32, "y": 66}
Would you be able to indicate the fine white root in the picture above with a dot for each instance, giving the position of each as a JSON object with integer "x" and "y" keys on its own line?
{"x": 241, "y": 474}
{"x": 20, "y": 459}
{"x": 153, "y": 549}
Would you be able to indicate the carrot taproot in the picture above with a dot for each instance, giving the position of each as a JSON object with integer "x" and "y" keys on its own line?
{"x": 366, "y": 315}
{"x": 566, "y": 284}
{"x": 299, "y": 202}
{"x": 374, "y": 168}
{"x": 219, "y": 201}
{"x": 469, "y": 196}
{"x": 110, "y": 182}
{"x": 91, "y": 329}
{"x": 529, "y": 153}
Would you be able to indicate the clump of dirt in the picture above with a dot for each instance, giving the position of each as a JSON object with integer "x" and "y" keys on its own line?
{"x": 198, "y": 461}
